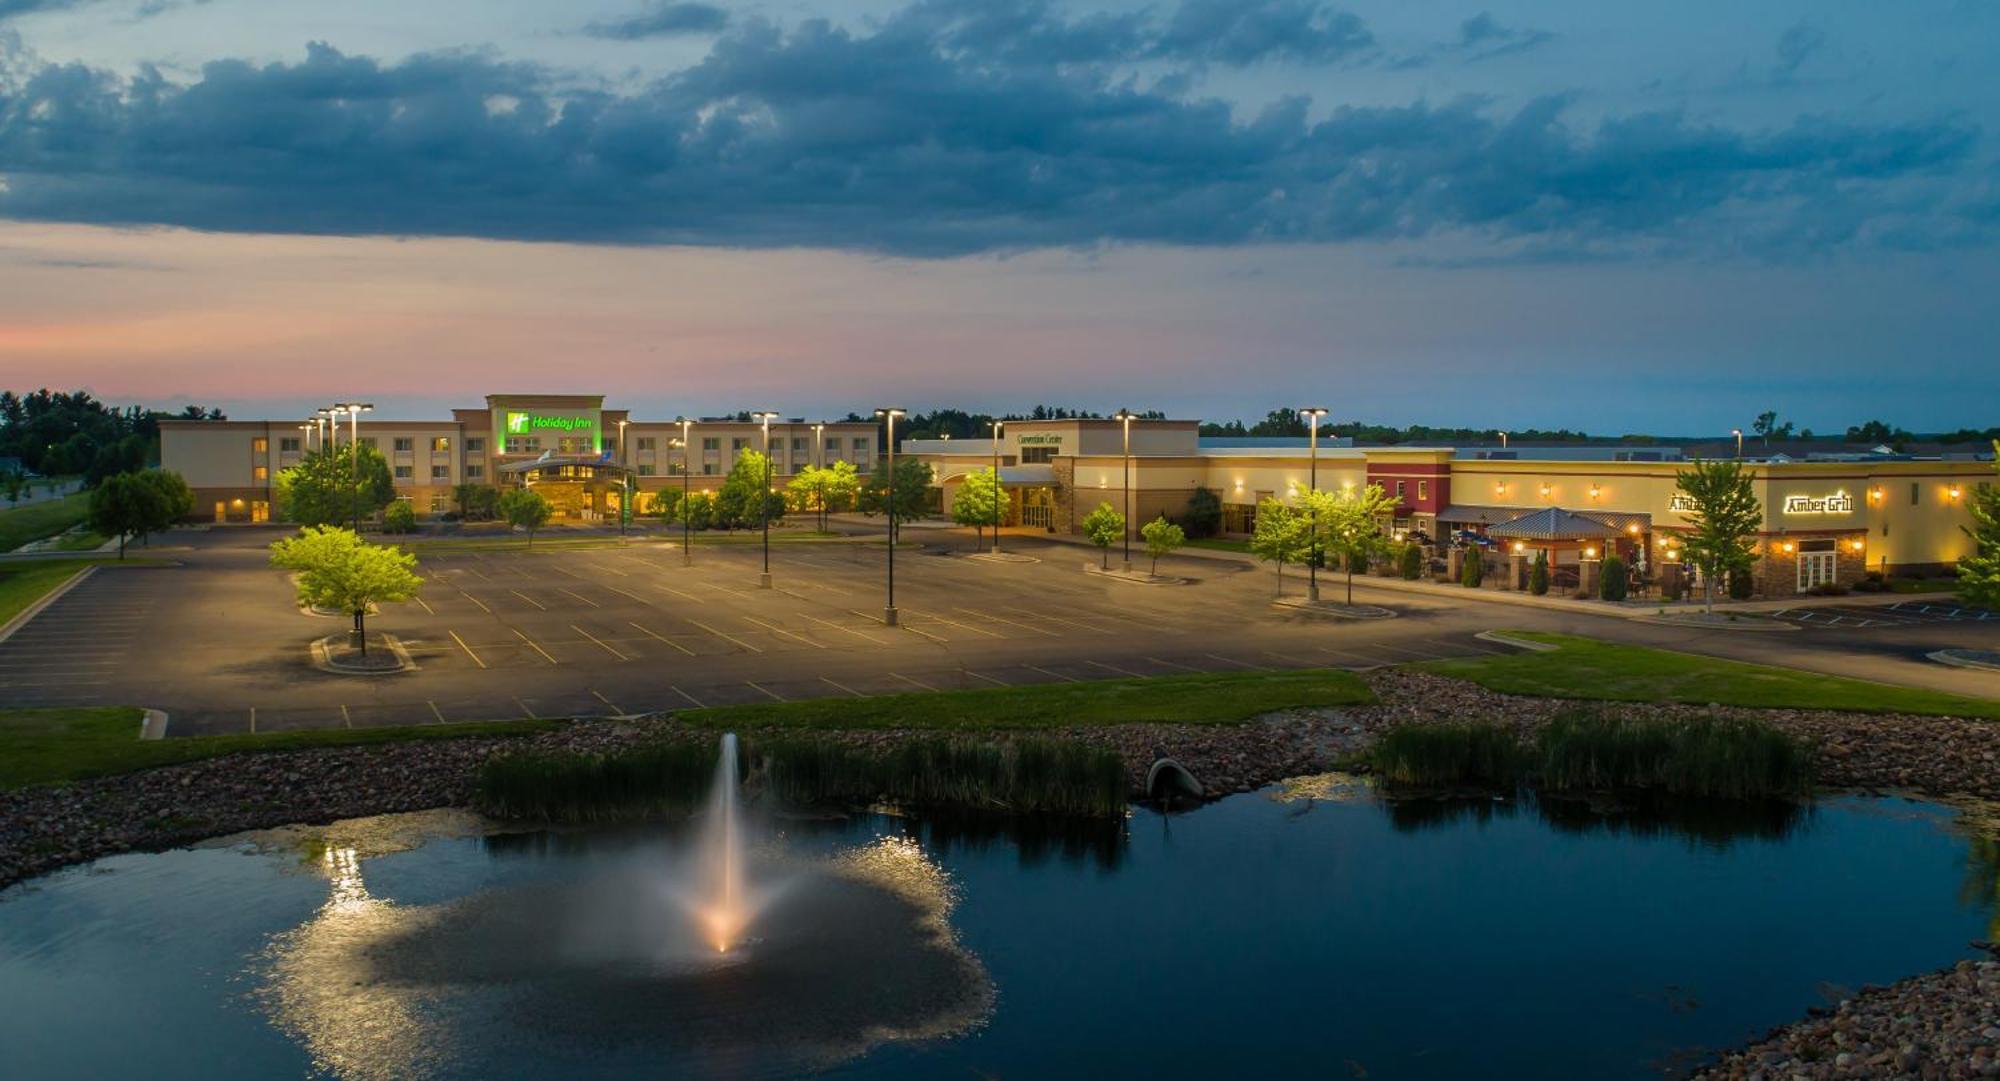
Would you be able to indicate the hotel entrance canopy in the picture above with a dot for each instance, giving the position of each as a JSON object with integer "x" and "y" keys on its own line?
{"x": 602, "y": 463}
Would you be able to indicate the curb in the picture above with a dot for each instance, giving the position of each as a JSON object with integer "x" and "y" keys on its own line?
{"x": 1753, "y": 623}
{"x": 1952, "y": 657}
{"x": 325, "y": 663}
{"x": 22, "y": 618}
{"x": 1504, "y": 639}
{"x": 1002, "y": 557}
{"x": 1335, "y": 611}
{"x": 1135, "y": 578}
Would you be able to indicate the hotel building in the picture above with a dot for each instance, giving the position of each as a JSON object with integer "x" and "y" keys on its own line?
{"x": 566, "y": 446}
{"x": 1827, "y": 518}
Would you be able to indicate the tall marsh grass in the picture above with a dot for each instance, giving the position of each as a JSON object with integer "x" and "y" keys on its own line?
{"x": 1027, "y": 776}
{"x": 1591, "y": 750}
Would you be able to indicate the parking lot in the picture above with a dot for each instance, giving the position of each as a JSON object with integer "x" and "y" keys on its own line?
{"x": 218, "y": 644}
{"x": 1901, "y": 614}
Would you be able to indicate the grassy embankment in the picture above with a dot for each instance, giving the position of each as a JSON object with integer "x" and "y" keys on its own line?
{"x": 33, "y": 521}
{"x": 1586, "y": 668}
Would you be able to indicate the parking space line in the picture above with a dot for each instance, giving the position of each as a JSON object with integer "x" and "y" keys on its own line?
{"x": 1046, "y": 672}
{"x": 956, "y": 623}
{"x": 841, "y": 686}
{"x": 1114, "y": 668}
{"x": 661, "y": 638}
{"x": 565, "y": 570}
{"x": 580, "y": 597}
{"x": 346, "y": 718}
{"x": 426, "y": 607}
{"x": 529, "y": 599}
{"x": 987, "y": 678}
{"x": 1174, "y": 664}
{"x": 477, "y": 601}
{"x": 626, "y": 593}
{"x": 601, "y": 642}
{"x": 466, "y": 648}
{"x": 697, "y": 702}
{"x": 524, "y": 709}
{"x": 689, "y": 597}
{"x": 1009, "y": 622}
{"x": 1289, "y": 659}
{"x": 863, "y": 635}
{"x": 614, "y": 706}
{"x": 774, "y": 695}
{"x": 253, "y": 720}
{"x": 477, "y": 571}
{"x": 775, "y": 629}
{"x": 1069, "y": 622}
{"x": 1229, "y": 660}
{"x": 913, "y": 681}
{"x": 533, "y": 644}
{"x": 435, "y": 711}
{"x": 926, "y": 634}
{"x": 1417, "y": 653}
{"x": 727, "y": 637}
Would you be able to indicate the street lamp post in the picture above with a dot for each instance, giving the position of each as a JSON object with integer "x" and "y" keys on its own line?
{"x": 764, "y": 497}
{"x": 1126, "y": 415}
{"x": 998, "y": 515}
{"x": 890, "y": 414}
{"x": 687, "y": 470}
{"x": 354, "y": 411}
{"x": 1503, "y": 440}
{"x": 624, "y": 483}
{"x": 819, "y": 446}
{"x": 1738, "y": 433}
{"x": 1312, "y": 415}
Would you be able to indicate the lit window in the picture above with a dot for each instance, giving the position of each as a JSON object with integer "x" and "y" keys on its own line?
{"x": 1423, "y": 490}
{"x": 441, "y": 444}
{"x": 260, "y": 445}
{"x": 260, "y": 473}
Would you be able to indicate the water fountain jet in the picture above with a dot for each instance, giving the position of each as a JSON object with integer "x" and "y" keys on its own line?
{"x": 724, "y": 912}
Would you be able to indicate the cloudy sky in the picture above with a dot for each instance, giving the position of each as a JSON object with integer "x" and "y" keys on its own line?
{"x": 1560, "y": 214}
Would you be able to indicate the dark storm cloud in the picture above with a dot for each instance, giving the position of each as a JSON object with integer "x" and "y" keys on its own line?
{"x": 662, "y": 20}
{"x": 935, "y": 134}
{"x": 1483, "y": 36}
{"x": 11, "y": 8}
{"x": 1796, "y": 45}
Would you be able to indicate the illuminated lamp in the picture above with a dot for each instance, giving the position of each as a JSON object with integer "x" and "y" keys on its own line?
{"x": 1590, "y": 553}
{"x": 1854, "y": 544}
{"x": 1954, "y": 493}
{"x": 1788, "y": 546}
{"x": 1593, "y": 491}
{"x": 1633, "y": 529}
{"x": 1875, "y": 494}
{"x": 1500, "y": 488}
{"x": 1519, "y": 547}
{"x": 1545, "y": 489}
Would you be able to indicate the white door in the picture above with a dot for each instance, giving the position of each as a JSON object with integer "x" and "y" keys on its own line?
{"x": 1814, "y": 569}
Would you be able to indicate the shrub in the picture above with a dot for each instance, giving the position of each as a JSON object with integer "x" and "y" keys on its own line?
{"x": 399, "y": 517}
{"x": 1872, "y": 582}
{"x": 1538, "y": 575}
{"x": 1411, "y": 562}
{"x": 1473, "y": 571}
{"x": 1203, "y": 517}
{"x": 1611, "y": 581}
{"x": 1740, "y": 585}
{"x": 1719, "y": 758}
{"x": 1828, "y": 589}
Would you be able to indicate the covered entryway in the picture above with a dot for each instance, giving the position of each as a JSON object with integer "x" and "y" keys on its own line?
{"x": 582, "y": 489}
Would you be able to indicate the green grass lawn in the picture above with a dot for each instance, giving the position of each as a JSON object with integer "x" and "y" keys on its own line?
{"x": 24, "y": 582}
{"x": 558, "y": 542}
{"x": 1204, "y": 698}
{"x": 33, "y": 521}
{"x": 46, "y": 746}
{"x": 85, "y": 541}
{"x": 1588, "y": 668}
{"x": 1220, "y": 544}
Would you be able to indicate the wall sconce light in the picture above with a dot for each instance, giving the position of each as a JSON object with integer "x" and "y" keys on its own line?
{"x": 1854, "y": 544}
{"x": 1519, "y": 547}
{"x": 1954, "y": 493}
{"x": 1545, "y": 489}
{"x": 1500, "y": 488}
{"x": 1788, "y": 546}
{"x": 1590, "y": 553}
{"x": 1875, "y": 494}
{"x": 1593, "y": 491}
{"x": 1633, "y": 529}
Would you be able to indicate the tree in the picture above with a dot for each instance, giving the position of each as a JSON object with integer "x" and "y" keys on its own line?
{"x": 323, "y": 489}
{"x": 1105, "y": 527}
{"x": 748, "y": 480}
{"x": 1611, "y": 579}
{"x": 1161, "y": 537}
{"x": 476, "y": 502}
{"x": 1347, "y": 523}
{"x": 700, "y": 511}
{"x": 1411, "y": 562}
{"x": 667, "y": 505}
{"x": 913, "y": 482}
{"x": 525, "y": 508}
{"x": 1281, "y": 536}
{"x": 399, "y": 517}
{"x": 1979, "y": 573}
{"x": 824, "y": 490}
{"x": 336, "y": 569}
{"x": 124, "y": 506}
{"x": 1766, "y": 425}
{"x": 15, "y": 484}
{"x": 176, "y": 498}
{"x": 978, "y": 501}
{"x": 1204, "y": 513}
{"x": 1538, "y": 574}
{"x": 1472, "y": 570}
{"x": 1723, "y": 520}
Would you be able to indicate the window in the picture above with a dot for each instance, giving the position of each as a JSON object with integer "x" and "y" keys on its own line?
{"x": 440, "y": 504}
{"x": 475, "y": 445}
{"x": 402, "y": 472}
{"x": 1399, "y": 489}
{"x": 708, "y": 469}
{"x": 1037, "y": 454}
{"x": 371, "y": 442}
{"x": 1913, "y": 493}
{"x": 1423, "y": 490}
{"x": 260, "y": 473}
{"x": 645, "y": 470}
{"x": 260, "y": 445}
{"x": 288, "y": 445}
{"x": 474, "y": 472}
{"x": 738, "y": 444}
{"x": 798, "y": 445}
{"x": 646, "y": 442}
{"x": 526, "y": 444}
{"x": 1817, "y": 560}
{"x": 440, "y": 472}
{"x": 833, "y": 446}
{"x": 861, "y": 443}
{"x": 404, "y": 444}
{"x": 441, "y": 445}
{"x": 711, "y": 443}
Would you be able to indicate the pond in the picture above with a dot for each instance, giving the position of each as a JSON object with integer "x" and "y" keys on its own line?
{"x": 1314, "y": 929}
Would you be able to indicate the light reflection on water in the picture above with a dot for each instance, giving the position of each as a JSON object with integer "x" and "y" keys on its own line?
{"x": 1294, "y": 931}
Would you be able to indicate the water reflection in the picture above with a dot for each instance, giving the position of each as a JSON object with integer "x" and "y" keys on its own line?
{"x": 1716, "y": 823}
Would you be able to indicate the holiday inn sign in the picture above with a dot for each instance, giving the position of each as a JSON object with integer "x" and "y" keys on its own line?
{"x": 523, "y": 423}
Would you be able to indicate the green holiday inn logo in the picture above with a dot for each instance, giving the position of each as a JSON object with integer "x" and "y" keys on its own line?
{"x": 522, "y": 423}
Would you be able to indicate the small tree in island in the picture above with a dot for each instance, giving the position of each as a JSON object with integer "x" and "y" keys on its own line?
{"x": 1979, "y": 573}
{"x": 1161, "y": 537}
{"x": 824, "y": 490}
{"x": 525, "y": 508}
{"x": 978, "y": 502}
{"x": 1348, "y": 524}
{"x": 1723, "y": 516}
{"x": 335, "y": 485}
{"x": 1281, "y": 536}
{"x": 1105, "y": 527}
{"x": 913, "y": 483}
{"x": 337, "y": 570}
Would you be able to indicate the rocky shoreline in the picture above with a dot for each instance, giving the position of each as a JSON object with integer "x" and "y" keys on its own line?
{"x": 1947, "y": 1023}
